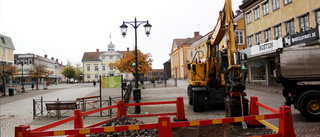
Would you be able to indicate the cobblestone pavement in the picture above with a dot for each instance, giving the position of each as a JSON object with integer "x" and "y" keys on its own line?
{"x": 19, "y": 111}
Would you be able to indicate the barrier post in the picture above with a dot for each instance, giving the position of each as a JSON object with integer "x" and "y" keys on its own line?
{"x": 78, "y": 123}
{"x": 254, "y": 110}
{"x": 121, "y": 110}
{"x": 180, "y": 115}
{"x": 22, "y": 131}
{"x": 285, "y": 122}
{"x": 164, "y": 126}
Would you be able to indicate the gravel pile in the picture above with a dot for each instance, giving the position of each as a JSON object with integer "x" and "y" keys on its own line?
{"x": 127, "y": 121}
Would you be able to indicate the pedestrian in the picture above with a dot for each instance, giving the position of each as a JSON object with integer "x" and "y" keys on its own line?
{"x": 94, "y": 83}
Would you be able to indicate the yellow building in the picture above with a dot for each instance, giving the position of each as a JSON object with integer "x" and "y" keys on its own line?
{"x": 201, "y": 45}
{"x": 6, "y": 50}
{"x": 96, "y": 64}
{"x": 274, "y": 24}
{"x": 181, "y": 52}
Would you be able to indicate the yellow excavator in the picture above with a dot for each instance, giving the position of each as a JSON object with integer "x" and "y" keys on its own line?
{"x": 218, "y": 80}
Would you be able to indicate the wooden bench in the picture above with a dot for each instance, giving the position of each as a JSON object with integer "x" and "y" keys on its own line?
{"x": 58, "y": 106}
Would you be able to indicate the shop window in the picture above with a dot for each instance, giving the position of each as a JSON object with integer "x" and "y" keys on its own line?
{"x": 249, "y": 17}
{"x": 267, "y": 35}
{"x": 256, "y": 13}
{"x": 275, "y": 4}
{"x": 277, "y": 31}
{"x": 258, "y": 70}
{"x": 265, "y": 8}
{"x": 290, "y": 27}
{"x": 258, "y": 38}
{"x": 304, "y": 23}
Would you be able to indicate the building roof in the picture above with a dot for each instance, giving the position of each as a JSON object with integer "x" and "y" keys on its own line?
{"x": 6, "y": 42}
{"x": 94, "y": 56}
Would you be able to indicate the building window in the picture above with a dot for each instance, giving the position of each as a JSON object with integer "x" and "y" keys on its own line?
{"x": 191, "y": 53}
{"x": 290, "y": 27}
{"x": 258, "y": 38}
{"x": 304, "y": 22}
{"x": 103, "y": 68}
{"x": 111, "y": 67}
{"x": 275, "y": 4}
{"x": 127, "y": 74}
{"x": 88, "y": 68}
{"x": 250, "y": 41}
{"x": 96, "y": 68}
{"x": 96, "y": 75}
{"x": 256, "y": 13}
{"x": 249, "y": 17}
{"x": 3, "y": 51}
{"x": 267, "y": 35}
{"x": 30, "y": 61}
{"x": 3, "y": 41}
{"x": 203, "y": 50}
{"x": 277, "y": 31}
{"x": 118, "y": 57}
{"x": 286, "y": 2}
{"x": 317, "y": 17}
{"x": 111, "y": 57}
{"x": 88, "y": 76}
{"x": 265, "y": 8}
{"x": 239, "y": 37}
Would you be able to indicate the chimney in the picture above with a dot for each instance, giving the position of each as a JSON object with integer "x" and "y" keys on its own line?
{"x": 97, "y": 50}
{"x": 45, "y": 55}
{"x": 57, "y": 60}
{"x": 128, "y": 49}
{"x": 196, "y": 33}
{"x": 52, "y": 58}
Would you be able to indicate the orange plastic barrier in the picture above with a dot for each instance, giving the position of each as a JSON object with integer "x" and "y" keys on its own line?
{"x": 164, "y": 125}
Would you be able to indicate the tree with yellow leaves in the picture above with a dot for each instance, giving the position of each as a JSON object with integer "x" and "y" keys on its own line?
{"x": 7, "y": 72}
{"x": 124, "y": 65}
{"x": 36, "y": 72}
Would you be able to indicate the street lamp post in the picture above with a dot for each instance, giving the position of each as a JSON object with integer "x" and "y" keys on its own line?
{"x": 22, "y": 84}
{"x": 135, "y": 24}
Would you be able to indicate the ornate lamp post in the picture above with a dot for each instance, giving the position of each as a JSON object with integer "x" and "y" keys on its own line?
{"x": 135, "y": 24}
{"x": 21, "y": 61}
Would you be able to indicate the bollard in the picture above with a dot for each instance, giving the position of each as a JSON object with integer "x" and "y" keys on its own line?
{"x": 22, "y": 131}
{"x": 121, "y": 111}
{"x": 164, "y": 126}
{"x": 285, "y": 122}
{"x": 180, "y": 114}
{"x": 254, "y": 110}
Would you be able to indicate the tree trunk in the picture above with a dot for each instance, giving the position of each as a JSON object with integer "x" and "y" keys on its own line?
{"x": 4, "y": 87}
{"x": 37, "y": 86}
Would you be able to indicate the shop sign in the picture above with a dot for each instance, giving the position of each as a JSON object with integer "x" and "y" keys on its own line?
{"x": 302, "y": 37}
{"x": 267, "y": 47}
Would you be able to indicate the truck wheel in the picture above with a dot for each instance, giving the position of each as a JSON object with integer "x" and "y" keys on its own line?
{"x": 310, "y": 106}
{"x": 199, "y": 101}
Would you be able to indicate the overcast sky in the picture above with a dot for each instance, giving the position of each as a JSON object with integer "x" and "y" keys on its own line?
{"x": 65, "y": 29}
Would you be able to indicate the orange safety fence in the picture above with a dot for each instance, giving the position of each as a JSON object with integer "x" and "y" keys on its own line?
{"x": 164, "y": 125}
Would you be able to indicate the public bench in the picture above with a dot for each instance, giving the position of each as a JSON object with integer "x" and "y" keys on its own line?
{"x": 58, "y": 106}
